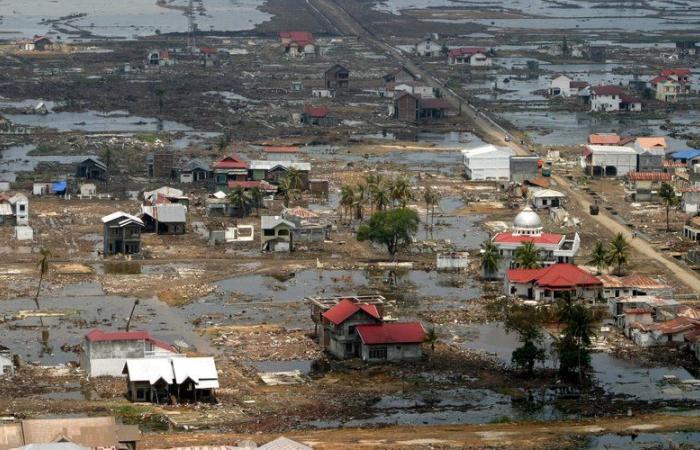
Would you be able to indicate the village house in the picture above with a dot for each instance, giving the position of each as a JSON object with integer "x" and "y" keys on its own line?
{"x": 164, "y": 218}
{"x": 550, "y": 283}
{"x": 487, "y": 162}
{"x": 353, "y": 327}
{"x": 563, "y": 86}
{"x": 668, "y": 333}
{"x": 274, "y": 171}
{"x": 690, "y": 200}
{"x": 209, "y": 57}
{"x": 651, "y": 153}
{"x": 527, "y": 227}
{"x": 230, "y": 168}
{"x": 337, "y": 78}
{"x": 276, "y": 234}
{"x": 7, "y": 367}
{"x": 318, "y": 115}
{"x": 615, "y": 287}
{"x": 122, "y": 234}
{"x": 691, "y": 230}
{"x": 612, "y": 99}
{"x": 686, "y": 156}
{"x": 92, "y": 169}
{"x": 665, "y": 89}
{"x": 427, "y": 48}
{"x": 165, "y": 195}
{"x": 37, "y": 43}
{"x": 323, "y": 93}
{"x": 308, "y": 226}
{"x": 416, "y": 88}
{"x": 14, "y": 210}
{"x": 184, "y": 379}
{"x": 105, "y": 353}
{"x": 609, "y": 160}
{"x": 604, "y": 139}
{"x": 160, "y": 165}
{"x": 401, "y": 75}
{"x": 471, "y": 56}
{"x": 298, "y": 44}
{"x": 547, "y": 198}
{"x": 157, "y": 57}
{"x": 524, "y": 168}
{"x": 90, "y": 432}
{"x": 413, "y": 108}
{"x": 644, "y": 186}
{"x": 319, "y": 305}
{"x": 194, "y": 171}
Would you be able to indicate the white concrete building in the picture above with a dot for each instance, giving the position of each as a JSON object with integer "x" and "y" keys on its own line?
{"x": 487, "y": 162}
{"x": 428, "y": 48}
{"x": 613, "y": 98}
{"x": 415, "y": 88}
{"x": 472, "y": 56}
{"x": 609, "y": 160}
{"x": 547, "y": 198}
{"x": 20, "y": 209}
{"x": 564, "y": 86}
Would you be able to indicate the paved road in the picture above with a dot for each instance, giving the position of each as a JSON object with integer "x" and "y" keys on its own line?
{"x": 334, "y": 12}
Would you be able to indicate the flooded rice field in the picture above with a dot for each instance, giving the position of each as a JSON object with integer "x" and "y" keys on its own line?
{"x": 96, "y": 122}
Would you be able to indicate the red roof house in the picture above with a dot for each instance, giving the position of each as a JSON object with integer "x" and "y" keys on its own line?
{"x": 541, "y": 239}
{"x": 604, "y": 139}
{"x": 549, "y": 283}
{"x": 316, "y": 112}
{"x": 230, "y": 162}
{"x": 392, "y": 333}
{"x": 345, "y": 309}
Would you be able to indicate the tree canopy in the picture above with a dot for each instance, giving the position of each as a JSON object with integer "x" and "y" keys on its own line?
{"x": 393, "y": 228}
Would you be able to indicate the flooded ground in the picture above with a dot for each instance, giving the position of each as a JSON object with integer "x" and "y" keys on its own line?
{"x": 126, "y": 19}
{"x": 17, "y": 159}
{"x": 644, "y": 441}
{"x": 95, "y": 121}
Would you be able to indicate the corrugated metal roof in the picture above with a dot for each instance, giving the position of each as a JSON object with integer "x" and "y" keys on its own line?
{"x": 269, "y": 165}
{"x": 127, "y": 218}
{"x": 200, "y": 370}
{"x": 170, "y": 213}
{"x": 282, "y": 443}
{"x": 269, "y": 222}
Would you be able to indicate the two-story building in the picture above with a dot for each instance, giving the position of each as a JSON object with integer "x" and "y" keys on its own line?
{"x": 122, "y": 234}
{"x": 562, "y": 85}
{"x": 230, "y": 168}
{"x": 612, "y": 99}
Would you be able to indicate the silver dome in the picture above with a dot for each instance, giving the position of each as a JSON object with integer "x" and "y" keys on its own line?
{"x": 527, "y": 219}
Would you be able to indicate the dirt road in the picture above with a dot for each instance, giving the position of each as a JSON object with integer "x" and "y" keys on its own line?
{"x": 490, "y": 130}
{"x": 519, "y": 435}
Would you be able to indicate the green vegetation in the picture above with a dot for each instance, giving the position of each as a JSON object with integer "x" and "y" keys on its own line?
{"x": 599, "y": 257}
{"x": 527, "y": 256}
{"x": 668, "y": 195}
{"x": 393, "y": 228}
{"x": 618, "y": 253}
{"x": 526, "y": 321}
{"x": 490, "y": 259}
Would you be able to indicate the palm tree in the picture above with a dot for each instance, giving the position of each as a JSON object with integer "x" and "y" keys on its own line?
{"x": 239, "y": 200}
{"x": 618, "y": 252}
{"x": 286, "y": 188}
{"x": 295, "y": 179}
{"x": 160, "y": 93}
{"x": 359, "y": 199}
{"x": 599, "y": 257}
{"x": 580, "y": 327}
{"x": 43, "y": 269}
{"x": 347, "y": 198}
{"x": 490, "y": 258}
{"x": 401, "y": 191}
{"x": 256, "y": 197}
{"x": 431, "y": 199}
{"x": 669, "y": 197}
{"x": 527, "y": 256}
{"x": 431, "y": 338}
{"x": 380, "y": 197}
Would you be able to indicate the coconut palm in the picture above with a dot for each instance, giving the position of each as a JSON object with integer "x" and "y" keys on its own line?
{"x": 400, "y": 191}
{"x": 490, "y": 258}
{"x": 295, "y": 178}
{"x": 239, "y": 200}
{"x": 527, "y": 256}
{"x": 43, "y": 270}
{"x": 670, "y": 199}
{"x": 256, "y": 198}
{"x": 380, "y": 197}
{"x": 359, "y": 199}
{"x": 580, "y": 328}
{"x": 347, "y": 198}
{"x": 286, "y": 188}
{"x": 618, "y": 253}
{"x": 599, "y": 257}
{"x": 431, "y": 199}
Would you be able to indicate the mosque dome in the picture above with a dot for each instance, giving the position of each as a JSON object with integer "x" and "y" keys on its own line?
{"x": 527, "y": 222}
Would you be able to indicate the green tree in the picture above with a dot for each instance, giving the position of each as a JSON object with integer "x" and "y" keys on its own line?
{"x": 239, "y": 200}
{"x": 668, "y": 194}
{"x": 160, "y": 94}
{"x": 618, "y": 253}
{"x": 527, "y": 256}
{"x": 527, "y": 322}
{"x": 431, "y": 198}
{"x": 599, "y": 257}
{"x": 431, "y": 338}
{"x": 361, "y": 192}
{"x": 393, "y": 228}
{"x": 380, "y": 197}
{"x": 490, "y": 258}
{"x": 256, "y": 198}
{"x": 295, "y": 178}
{"x": 444, "y": 50}
{"x": 574, "y": 346}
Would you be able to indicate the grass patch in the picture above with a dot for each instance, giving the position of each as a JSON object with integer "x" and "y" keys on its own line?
{"x": 147, "y": 137}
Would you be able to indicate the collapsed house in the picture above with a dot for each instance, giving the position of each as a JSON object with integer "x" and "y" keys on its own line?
{"x": 165, "y": 195}
{"x": 644, "y": 186}
{"x": 164, "y": 218}
{"x": 159, "y": 380}
{"x": 274, "y": 171}
{"x": 632, "y": 286}
{"x": 105, "y": 353}
{"x": 308, "y": 226}
{"x": 91, "y": 169}
{"x": 354, "y": 327}
{"x": 14, "y": 209}
{"x": 276, "y": 234}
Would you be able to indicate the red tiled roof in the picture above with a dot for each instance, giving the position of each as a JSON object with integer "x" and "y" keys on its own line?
{"x": 677, "y": 325}
{"x": 98, "y": 335}
{"x": 649, "y": 176}
{"x": 346, "y": 308}
{"x": 392, "y": 333}
{"x": 636, "y": 311}
{"x": 163, "y": 54}
{"x": 556, "y": 276}
{"x": 681, "y": 72}
{"x": 230, "y": 162}
{"x": 608, "y": 90}
{"x": 466, "y": 51}
{"x": 637, "y": 281}
{"x": 539, "y": 181}
{"x": 693, "y": 336}
{"x": 272, "y": 149}
{"x": 298, "y": 37}
{"x": 604, "y": 139}
{"x": 544, "y": 238}
{"x": 262, "y": 184}
{"x": 579, "y": 84}
{"x": 668, "y": 163}
{"x": 317, "y": 112}
{"x": 629, "y": 99}
{"x": 661, "y": 79}
{"x": 208, "y": 50}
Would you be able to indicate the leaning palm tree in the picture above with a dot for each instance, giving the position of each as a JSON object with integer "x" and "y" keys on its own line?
{"x": 599, "y": 257}
{"x": 256, "y": 197}
{"x": 527, "y": 256}
{"x": 490, "y": 258}
{"x": 347, "y": 198}
{"x": 239, "y": 200}
{"x": 401, "y": 191}
{"x": 43, "y": 270}
{"x": 618, "y": 253}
